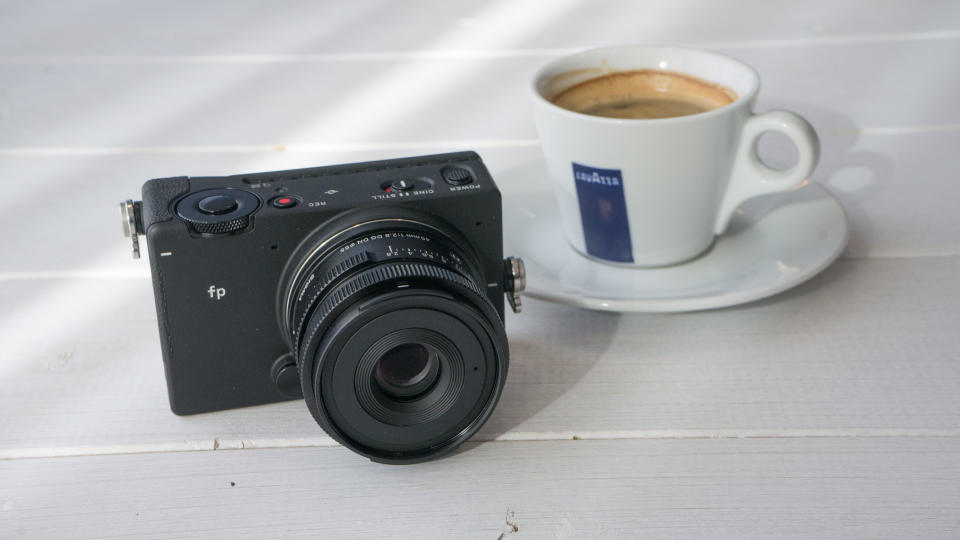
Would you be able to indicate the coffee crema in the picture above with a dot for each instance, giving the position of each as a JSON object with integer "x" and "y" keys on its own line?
{"x": 644, "y": 93}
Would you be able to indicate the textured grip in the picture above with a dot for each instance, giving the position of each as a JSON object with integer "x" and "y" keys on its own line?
{"x": 157, "y": 196}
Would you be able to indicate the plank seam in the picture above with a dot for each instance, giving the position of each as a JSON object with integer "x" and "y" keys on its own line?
{"x": 463, "y": 54}
{"x": 378, "y": 146}
{"x": 219, "y": 443}
{"x": 144, "y": 274}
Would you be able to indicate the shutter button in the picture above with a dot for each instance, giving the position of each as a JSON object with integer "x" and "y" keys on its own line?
{"x": 216, "y": 205}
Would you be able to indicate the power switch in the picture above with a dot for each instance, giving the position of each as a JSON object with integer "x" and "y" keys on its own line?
{"x": 456, "y": 176}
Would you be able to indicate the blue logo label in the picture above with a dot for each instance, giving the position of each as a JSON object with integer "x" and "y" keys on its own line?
{"x": 603, "y": 213}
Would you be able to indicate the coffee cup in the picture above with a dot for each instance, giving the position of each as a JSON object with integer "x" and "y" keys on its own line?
{"x": 652, "y": 149}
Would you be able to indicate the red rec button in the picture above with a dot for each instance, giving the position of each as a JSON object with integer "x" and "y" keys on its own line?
{"x": 284, "y": 202}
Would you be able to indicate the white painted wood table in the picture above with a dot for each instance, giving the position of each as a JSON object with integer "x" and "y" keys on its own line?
{"x": 830, "y": 411}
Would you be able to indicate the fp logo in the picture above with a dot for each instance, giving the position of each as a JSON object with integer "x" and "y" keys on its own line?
{"x": 216, "y": 292}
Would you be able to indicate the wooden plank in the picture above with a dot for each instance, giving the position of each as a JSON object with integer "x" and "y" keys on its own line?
{"x": 85, "y": 193}
{"x": 51, "y": 107}
{"x": 869, "y": 347}
{"x": 749, "y": 488}
{"x": 897, "y": 190}
{"x": 230, "y": 27}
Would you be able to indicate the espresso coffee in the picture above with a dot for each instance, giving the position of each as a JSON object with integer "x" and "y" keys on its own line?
{"x": 644, "y": 93}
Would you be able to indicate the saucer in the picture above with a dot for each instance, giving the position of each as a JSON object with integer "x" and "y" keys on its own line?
{"x": 774, "y": 242}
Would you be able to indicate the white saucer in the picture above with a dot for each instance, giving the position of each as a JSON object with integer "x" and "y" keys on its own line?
{"x": 773, "y": 243}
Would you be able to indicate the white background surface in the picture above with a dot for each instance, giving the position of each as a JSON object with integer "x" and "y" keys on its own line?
{"x": 830, "y": 411}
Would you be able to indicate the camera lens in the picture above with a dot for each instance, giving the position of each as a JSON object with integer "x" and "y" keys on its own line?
{"x": 406, "y": 371}
{"x": 401, "y": 352}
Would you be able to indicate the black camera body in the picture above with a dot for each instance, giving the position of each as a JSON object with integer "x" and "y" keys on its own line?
{"x": 373, "y": 290}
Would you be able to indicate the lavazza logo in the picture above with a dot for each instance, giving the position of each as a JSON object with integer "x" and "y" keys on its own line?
{"x": 596, "y": 178}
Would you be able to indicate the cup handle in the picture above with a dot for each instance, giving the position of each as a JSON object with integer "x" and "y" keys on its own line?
{"x": 751, "y": 177}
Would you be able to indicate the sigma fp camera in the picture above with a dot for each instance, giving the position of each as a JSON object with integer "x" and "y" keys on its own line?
{"x": 374, "y": 291}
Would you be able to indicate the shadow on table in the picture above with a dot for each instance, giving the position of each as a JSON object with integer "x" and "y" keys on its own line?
{"x": 548, "y": 360}
{"x": 854, "y": 175}
{"x": 551, "y": 349}
{"x": 837, "y": 272}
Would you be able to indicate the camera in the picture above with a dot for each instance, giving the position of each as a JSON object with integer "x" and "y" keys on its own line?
{"x": 374, "y": 291}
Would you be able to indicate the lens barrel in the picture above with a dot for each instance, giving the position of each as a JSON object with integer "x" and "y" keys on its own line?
{"x": 402, "y": 356}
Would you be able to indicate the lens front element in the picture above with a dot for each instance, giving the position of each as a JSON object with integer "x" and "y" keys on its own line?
{"x": 406, "y": 371}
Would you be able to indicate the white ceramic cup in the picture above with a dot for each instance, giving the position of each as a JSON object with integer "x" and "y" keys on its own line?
{"x": 655, "y": 192}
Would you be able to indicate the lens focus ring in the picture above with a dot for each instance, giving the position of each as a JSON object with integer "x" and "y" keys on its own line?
{"x": 315, "y": 287}
{"x": 324, "y": 270}
{"x": 387, "y": 273}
